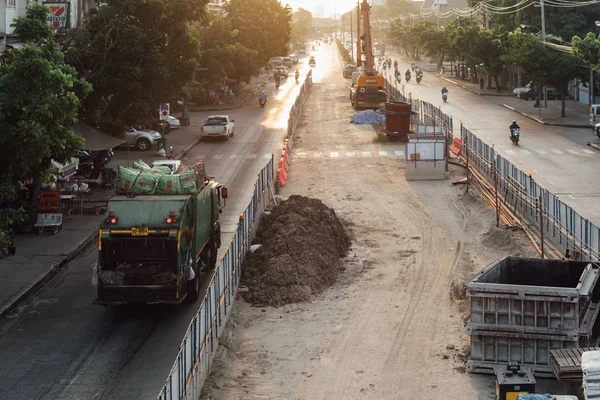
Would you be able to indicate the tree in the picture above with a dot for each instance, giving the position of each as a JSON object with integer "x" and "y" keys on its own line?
{"x": 137, "y": 54}
{"x": 39, "y": 97}
{"x": 529, "y": 53}
{"x": 565, "y": 67}
{"x": 301, "y": 25}
{"x": 263, "y": 26}
{"x": 587, "y": 49}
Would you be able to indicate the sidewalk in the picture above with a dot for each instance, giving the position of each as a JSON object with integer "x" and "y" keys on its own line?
{"x": 40, "y": 257}
{"x": 245, "y": 93}
{"x": 576, "y": 113}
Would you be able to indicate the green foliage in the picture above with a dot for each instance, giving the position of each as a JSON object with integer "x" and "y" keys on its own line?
{"x": 137, "y": 54}
{"x": 301, "y": 25}
{"x": 344, "y": 52}
{"x": 263, "y": 25}
{"x": 587, "y": 49}
{"x": 33, "y": 27}
{"x": 39, "y": 97}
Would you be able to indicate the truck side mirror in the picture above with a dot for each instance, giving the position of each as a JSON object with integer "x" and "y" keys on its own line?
{"x": 224, "y": 192}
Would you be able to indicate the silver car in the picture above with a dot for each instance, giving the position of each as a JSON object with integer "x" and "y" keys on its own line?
{"x": 173, "y": 122}
{"x": 142, "y": 139}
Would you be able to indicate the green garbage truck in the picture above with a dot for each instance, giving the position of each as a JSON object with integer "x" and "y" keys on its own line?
{"x": 159, "y": 232}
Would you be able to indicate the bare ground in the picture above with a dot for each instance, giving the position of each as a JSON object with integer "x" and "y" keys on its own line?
{"x": 392, "y": 327}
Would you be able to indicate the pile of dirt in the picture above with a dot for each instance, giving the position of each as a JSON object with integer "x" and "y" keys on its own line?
{"x": 303, "y": 242}
{"x": 498, "y": 238}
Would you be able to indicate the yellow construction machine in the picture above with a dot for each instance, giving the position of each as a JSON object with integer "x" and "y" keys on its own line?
{"x": 368, "y": 91}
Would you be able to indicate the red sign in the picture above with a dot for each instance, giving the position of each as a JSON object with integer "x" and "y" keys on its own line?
{"x": 59, "y": 15}
{"x": 49, "y": 202}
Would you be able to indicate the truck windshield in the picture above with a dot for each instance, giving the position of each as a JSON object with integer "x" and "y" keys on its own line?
{"x": 138, "y": 261}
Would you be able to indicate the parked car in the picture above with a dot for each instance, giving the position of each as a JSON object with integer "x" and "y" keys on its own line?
{"x": 594, "y": 113}
{"x": 518, "y": 90}
{"x": 294, "y": 58}
{"x": 142, "y": 139}
{"x": 597, "y": 129}
{"x": 218, "y": 126}
{"x": 173, "y": 122}
{"x": 283, "y": 71}
{"x": 348, "y": 70}
{"x": 531, "y": 93}
{"x": 275, "y": 61}
{"x": 287, "y": 62}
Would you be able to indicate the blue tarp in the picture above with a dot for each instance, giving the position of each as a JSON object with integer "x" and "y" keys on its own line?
{"x": 534, "y": 397}
{"x": 367, "y": 117}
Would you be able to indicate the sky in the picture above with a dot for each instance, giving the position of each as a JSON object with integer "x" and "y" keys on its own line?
{"x": 340, "y": 6}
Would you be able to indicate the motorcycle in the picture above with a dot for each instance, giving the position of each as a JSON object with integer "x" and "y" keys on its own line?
{"x": 276, "y": 84}
{"x": 515, "y": 133}
{"x": 399, "y": 79}
{"x": 262, "y": 102}
{"x": 445, "y": 97}
{"x": 419, "y": 77}
{"x": 297, "y": 78}
{"x": 407, "y": 77}
{"x": 413, "y": 66}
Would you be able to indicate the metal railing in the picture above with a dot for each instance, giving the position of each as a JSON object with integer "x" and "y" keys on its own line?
{"x": 200, "y": 342}
{"x": 192, "y": 364}
{"x": 573, "y": 235}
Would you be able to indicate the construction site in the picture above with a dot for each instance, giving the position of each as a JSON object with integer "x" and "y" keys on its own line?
{"x": 415, "y": 277}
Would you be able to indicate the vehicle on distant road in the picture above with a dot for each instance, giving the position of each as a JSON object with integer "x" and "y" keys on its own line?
{"x": 531, "y": 94}
{"x": 348, "y": 70}
{"x": 287, "y": 62}
{"x": 294, "y": 58}
{"x": 142, "y": 139}
{"x": 283, "y": 71}
{"x": 218, "y": 126}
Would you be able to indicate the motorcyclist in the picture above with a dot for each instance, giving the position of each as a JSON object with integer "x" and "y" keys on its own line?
{"x": 263, "y": 95}
{"x": 395, "y": 64}
{"x": 407, "y": 74}
{"x": 297, "y": 74}
{"x": 514, "y": 125}
{"x": 444, "y": 90}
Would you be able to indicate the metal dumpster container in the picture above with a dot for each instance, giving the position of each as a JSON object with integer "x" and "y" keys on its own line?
{"x": 523, "y": 307}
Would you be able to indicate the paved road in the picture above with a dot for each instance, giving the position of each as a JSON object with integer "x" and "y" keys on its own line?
{"x": 60, "y": 346}
{"x": 557, "y": 156}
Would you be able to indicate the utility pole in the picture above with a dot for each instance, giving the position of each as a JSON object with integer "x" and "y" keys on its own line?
{"x": 358, "y": 40}
{"x": 351, "y": 36}
{"x": 544, "y": 42}
{"x": 3, "y": 27}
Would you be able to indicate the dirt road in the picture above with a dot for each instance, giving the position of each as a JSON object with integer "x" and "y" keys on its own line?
{"x": 392, "y": 327}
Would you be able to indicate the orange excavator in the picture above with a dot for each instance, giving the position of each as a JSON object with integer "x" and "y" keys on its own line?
{"x": 369, "y": 89}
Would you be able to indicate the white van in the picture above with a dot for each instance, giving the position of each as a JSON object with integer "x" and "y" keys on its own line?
{"x": 594, "y": 114}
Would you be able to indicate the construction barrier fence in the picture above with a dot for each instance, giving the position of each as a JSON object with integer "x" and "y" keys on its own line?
{"x": 295, "y": 116}
{"x": 200, "y": 343}
{"x": 570, "y": 233}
